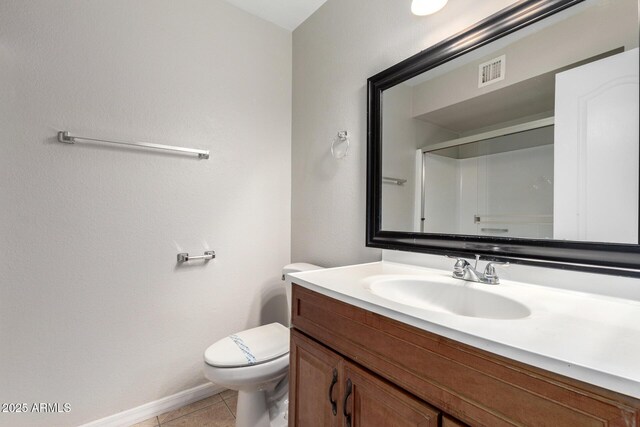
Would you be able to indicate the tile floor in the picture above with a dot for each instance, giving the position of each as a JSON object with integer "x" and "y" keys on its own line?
{"x": 218, "y": 410}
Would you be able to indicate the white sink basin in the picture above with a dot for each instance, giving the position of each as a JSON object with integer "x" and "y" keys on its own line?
{"x": 448, "y": 295}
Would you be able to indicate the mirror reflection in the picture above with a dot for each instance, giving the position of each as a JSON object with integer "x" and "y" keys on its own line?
{"x": 532, "y": 136}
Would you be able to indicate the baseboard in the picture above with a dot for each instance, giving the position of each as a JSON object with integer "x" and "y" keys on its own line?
{"x": 157, "y": 407}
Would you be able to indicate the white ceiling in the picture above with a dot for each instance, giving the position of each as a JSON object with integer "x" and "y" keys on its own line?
{"x": 287, "y": 14}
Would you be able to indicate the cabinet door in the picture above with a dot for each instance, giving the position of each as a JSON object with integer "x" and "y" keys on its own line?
{"x": 369, "y": 401}
{"x": 314, "y": 384}
{"x": 448, "y": 421}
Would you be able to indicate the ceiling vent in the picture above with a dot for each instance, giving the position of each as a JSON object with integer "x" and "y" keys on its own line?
{"x": 491, "y": 71}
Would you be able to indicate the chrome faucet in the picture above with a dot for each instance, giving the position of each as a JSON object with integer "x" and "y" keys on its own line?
{"x": 464, "y": 271}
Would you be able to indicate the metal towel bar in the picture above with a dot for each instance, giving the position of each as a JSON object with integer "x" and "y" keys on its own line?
{"x": 390, "y": 180}
{"x": 63, "y": 136}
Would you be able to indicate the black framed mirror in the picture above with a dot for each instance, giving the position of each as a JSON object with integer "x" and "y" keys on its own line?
{"x": 516, "y": 139}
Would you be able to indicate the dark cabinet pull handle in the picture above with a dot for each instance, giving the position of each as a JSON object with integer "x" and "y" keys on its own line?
{"x": 344, "y": 404}
{"x": 334, "y": 404}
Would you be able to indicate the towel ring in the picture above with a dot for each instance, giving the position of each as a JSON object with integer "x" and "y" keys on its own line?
{"x": 341, "y": 138}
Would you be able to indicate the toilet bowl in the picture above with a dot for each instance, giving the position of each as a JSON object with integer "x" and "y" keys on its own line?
{"x": 255, "y": 362}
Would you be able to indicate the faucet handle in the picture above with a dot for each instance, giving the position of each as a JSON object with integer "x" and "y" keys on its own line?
{"x": 459, "y": 261}
{"x": 462, "y": 262}
{"x": 490, "y": 272}
{"x": 459, "y": 267}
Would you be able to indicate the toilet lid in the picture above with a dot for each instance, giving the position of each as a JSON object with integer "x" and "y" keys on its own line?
{"x": 250, "y": 347}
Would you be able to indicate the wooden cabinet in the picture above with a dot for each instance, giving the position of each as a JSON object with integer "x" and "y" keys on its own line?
{"x": 331, "y": 391}
{"x": 401, "y": 375}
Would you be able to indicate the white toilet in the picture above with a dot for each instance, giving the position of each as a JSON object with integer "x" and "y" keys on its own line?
{"x": 256, "y": 363}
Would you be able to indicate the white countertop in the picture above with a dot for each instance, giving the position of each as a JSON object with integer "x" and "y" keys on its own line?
{"x": 592, "y": 338}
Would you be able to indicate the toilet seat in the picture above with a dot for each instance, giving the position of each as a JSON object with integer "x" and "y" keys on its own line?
{"x": 250, "y": 347}
{"x": 263, "y": 376}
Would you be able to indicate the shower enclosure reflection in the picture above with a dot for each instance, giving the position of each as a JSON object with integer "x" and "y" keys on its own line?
{"x": 476, "y": 188}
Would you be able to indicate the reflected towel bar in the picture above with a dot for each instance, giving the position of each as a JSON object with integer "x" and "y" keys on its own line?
{"x": 64, "y": 136}
{"x": 494, "y": 230}
{"x": 397, "y": 181}
{"x": 513, "y": 219}
{"x": 208, "y": 255}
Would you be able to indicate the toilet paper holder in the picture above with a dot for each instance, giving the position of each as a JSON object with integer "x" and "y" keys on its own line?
{"x": 185, "y": 257}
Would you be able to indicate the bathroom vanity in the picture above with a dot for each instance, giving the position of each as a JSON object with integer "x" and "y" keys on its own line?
{"x": 360, "y": 357}
{"x": 506, "y": 142}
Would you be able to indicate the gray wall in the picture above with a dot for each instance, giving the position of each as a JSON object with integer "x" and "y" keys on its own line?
{"x": 94, "y": 310}
{"x": 334, "y": 52}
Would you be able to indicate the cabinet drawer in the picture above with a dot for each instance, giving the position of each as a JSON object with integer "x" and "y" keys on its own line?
{"x": 474, "y": 386}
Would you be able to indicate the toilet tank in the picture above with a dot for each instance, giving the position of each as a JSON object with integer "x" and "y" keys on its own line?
{"x": 294, "y": 268}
